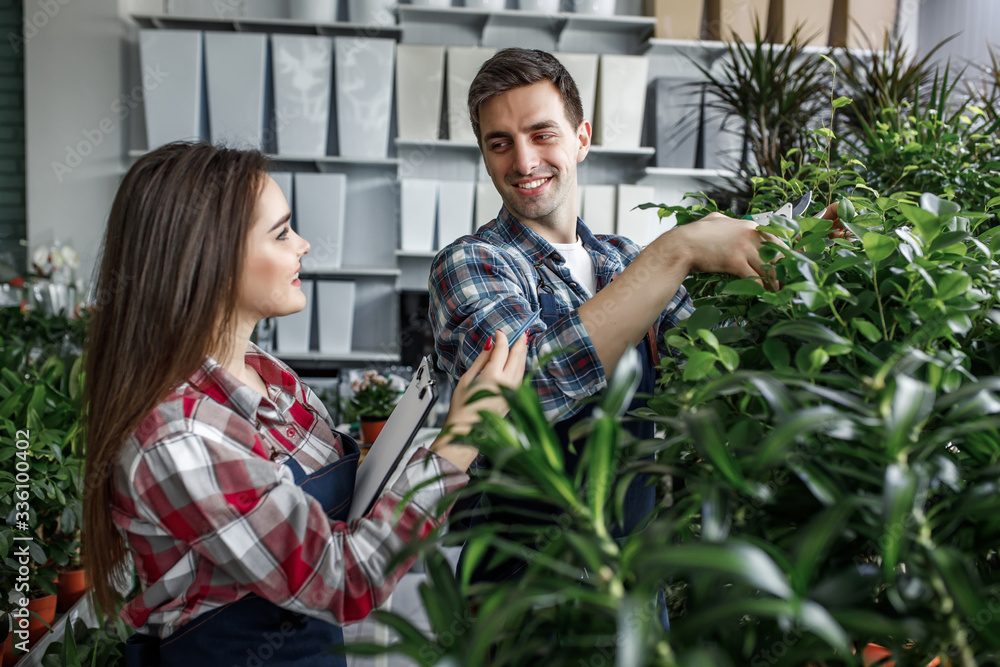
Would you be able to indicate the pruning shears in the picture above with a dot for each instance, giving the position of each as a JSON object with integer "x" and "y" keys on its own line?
{"x": 789, "y": 210}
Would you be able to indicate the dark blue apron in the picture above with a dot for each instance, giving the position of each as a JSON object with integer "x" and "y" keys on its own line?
{"x": 639, "y": 498}
{"x": 251, "y": 629}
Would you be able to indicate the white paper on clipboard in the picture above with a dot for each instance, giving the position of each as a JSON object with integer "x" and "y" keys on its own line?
{"x": 394, "y": 446}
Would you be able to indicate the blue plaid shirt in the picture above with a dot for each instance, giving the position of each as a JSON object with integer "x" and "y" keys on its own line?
{"x": 491, "y": 280}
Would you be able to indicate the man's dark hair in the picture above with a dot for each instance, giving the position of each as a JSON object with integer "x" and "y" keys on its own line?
{"x": 513, "y": 68}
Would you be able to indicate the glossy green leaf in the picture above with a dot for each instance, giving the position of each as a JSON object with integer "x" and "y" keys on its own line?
{"x": 704, "y": 317}
{"x": 878, "y": 246}
{"x": 744, "y": 287}
{"x": 928, "y": 224}
{"x": 709, "y": 440}
{"x": 709, "y": 339}
{"x": 818, "y": 619}
{"x": 798, "y": 426}
{"x": 944, "y": 241}
{"x": 729, "y": 357}
{"x": 938, "y": 206}
{"x": 845, "y": 210}
{"x": 748, "y": 562}
{"x": 602, "y": 452}
{"x": 624, "y": 382}
{"x": 898, "y": 497}
{"x": 952, "y": 285}
{"x": 867, "y": 329}
{"x": 777, "y": 353}
{"x": 810, "y": 359}
{"x": 909, "y": 405}
{"x": 812, "y": 332}
{"x": 527, "y": 414}
{"x": 817, "y": 481}
{"x": 816, "y": 539}
{"x": 699, "y": 365}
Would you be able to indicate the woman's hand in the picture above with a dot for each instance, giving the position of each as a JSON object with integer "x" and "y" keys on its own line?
{"x": 493, "y": 368}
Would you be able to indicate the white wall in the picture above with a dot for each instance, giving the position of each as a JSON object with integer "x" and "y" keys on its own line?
{"x": 74, "y": 120}
{"x": 978, "y": 21}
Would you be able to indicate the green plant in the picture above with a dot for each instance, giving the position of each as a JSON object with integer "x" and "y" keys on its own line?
{"x": 83, "y": 646}
{"x": 843, "y": 397}
{"x": 777, "y": 91}
{"x": 374, "y": 395}
{"x": 40, "y": 392}
{"x": 931, "y": 144}
{"x": 833, "y": 445}
{"x": 882, "y": 80}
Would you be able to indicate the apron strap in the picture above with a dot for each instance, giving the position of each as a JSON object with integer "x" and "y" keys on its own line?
{"x": 142, "y": 650}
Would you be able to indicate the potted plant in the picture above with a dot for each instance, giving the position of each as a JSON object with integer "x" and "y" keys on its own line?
{"x": 8, "y": 574}
{"x": 40, "y": 387}
{"x": 373, "y": 401}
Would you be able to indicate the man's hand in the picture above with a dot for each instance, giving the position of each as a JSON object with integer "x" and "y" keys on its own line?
{"x": 720, "y": 244}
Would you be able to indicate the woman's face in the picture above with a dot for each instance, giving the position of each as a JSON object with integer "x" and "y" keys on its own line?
{"x": 270, "y": 284}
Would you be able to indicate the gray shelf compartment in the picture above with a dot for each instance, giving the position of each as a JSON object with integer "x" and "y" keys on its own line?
{"x": 320, "y": 163}
{"x": 707, "y": 52}
{"x": 352, "y": 273}
{"x": 653, "y": 173}
{"x": 461, "y": 26}
{"x": 466, "y": 146}
{"x": 315, "y": 363}
{"x": 284, "y": 26}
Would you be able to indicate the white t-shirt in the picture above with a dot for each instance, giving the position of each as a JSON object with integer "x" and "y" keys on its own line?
{"x": 580, "y": 264}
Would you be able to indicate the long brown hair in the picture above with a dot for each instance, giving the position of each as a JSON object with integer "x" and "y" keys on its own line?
{"x": 164, "y": 297}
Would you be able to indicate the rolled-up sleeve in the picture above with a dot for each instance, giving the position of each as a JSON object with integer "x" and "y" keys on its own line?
{"x": 476, "y": 289}
{"x": 246, "y": 516}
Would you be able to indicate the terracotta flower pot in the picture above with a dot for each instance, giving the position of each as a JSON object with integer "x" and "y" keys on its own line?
{"x": 873, "y": 653}
{"x": 370, "y": 428}
{"x": 7, "y": 650}
{"x": 45, "y": 608}
{"x": 72, "y": 585}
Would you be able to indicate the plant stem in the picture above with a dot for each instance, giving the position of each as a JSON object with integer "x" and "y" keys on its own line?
{"x": 959, "y": 636}
{"x": 840, "y": 320}
{"x": 878, "y": 297}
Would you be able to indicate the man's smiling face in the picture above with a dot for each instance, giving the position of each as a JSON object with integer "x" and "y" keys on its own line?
{"x": 531, "y": 152}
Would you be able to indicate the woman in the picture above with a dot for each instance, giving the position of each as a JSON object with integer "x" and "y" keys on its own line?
{"x": 207, "y": 458}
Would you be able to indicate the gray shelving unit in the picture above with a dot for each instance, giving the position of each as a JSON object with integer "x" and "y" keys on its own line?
{"x": 374, "y": 261}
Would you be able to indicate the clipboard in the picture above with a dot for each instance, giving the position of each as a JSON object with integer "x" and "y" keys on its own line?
{"x": 392, "y": 448}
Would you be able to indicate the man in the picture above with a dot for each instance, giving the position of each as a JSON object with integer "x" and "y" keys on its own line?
{"x": 537, "y": 258}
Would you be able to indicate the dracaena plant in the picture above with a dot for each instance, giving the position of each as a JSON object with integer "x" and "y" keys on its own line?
{"x": 584, "y": 596}
{"x": 776, "y": 91}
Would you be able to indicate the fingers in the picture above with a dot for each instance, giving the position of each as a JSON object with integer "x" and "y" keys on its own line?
{"x": 829, "y": 213}
{"x": 500, "y": 351}
{"x": 513, "y": 370}
{"x": 478, "y": 365}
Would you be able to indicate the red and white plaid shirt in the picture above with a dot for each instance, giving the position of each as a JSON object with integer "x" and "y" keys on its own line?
{"x": 210, "y": 514}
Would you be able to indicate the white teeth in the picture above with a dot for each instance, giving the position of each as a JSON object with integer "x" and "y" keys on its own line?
{"x": 532, "y": 185}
